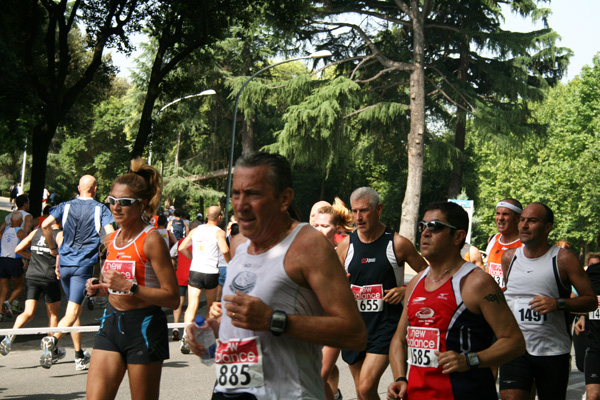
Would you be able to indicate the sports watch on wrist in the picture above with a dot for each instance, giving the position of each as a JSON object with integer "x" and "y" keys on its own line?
{"x": 133, "y": 289}
{"x": 278, "y": 322}
{"x": 472, "y": 360}
{"x": 561, "y": 304}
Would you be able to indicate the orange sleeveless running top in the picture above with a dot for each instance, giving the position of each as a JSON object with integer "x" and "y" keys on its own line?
{"x": 131, "y": 261}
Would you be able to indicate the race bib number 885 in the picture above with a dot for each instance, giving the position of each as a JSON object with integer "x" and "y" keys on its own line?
{"x": 239, "y": 363}
{"x": 422, "y": 344}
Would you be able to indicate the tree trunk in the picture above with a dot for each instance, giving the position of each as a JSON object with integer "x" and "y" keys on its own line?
{"x": 177, "y": 152}
{"x": 412, "y": 196}
{"x": 42, "y": 137}
{"x": 455, "y": 185}
{"x": 248, "y": 136}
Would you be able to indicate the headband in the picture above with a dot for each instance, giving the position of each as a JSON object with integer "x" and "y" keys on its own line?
{"x": 510, "y": 206}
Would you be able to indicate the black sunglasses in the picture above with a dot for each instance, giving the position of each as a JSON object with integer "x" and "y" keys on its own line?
{"x": 123, "y": 201}
{"x": 434, "y": 226}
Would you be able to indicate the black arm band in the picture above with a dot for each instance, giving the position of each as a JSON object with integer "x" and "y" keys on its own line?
{"x": 402, "y": 379}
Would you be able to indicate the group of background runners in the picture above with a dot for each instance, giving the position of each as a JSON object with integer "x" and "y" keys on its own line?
{"x": 286, "y": 294}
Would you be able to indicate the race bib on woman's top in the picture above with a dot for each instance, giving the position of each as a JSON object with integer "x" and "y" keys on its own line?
{"x": 126, "y": 268}
{"x": 239, "y": 363}
{"x": 368, "y": 298}
{"x": 422, "y": 344}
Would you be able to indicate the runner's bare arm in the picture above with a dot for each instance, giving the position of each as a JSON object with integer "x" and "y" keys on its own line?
{"x": 47, "y": 229}
{"x": 22, "y": 248}
{"x": 406, "y": 252}
{"x": 222, "y": 243}
{"x": 185, "y": 244}
{"x": 326, "y": 278}
{"x": 571, "y": 273}
{"x": 483, "y": 296}
{"x": 398, "y": 349}
{"x": 507, "y": 257}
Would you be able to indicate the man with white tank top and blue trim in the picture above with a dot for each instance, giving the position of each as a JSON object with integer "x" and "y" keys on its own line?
{"x": 285, "y": 295}
{"x": 82, "y": 220}
{"x": 538, "y": 279}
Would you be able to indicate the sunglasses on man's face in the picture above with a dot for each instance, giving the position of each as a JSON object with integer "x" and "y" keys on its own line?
{"x": 434, "y": 226}
{"x": 123, "y": 201}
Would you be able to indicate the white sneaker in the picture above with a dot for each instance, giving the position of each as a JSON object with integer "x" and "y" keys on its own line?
{"x": 6, "y": 344}
{"x": 81, "y": 364}
{"x": 183, "y": 346}
{"x": 59, "y": 354}
{"x": 48, "y": 346}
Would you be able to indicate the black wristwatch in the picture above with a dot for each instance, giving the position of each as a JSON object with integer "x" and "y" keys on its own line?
{"x": 472, "y": 360}
{"x": 561, "y": 304}
{"x": 278, "y": 322}
{"x": 133, "y": 290}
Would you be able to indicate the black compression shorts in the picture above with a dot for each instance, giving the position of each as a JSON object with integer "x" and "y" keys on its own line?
{"x": 140, "y": 335}
{"x": 550, "y": 373}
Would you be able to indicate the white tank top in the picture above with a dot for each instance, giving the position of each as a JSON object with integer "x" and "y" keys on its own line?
{"x": 205, "y": 250}
{"x": 292, "y": 368}
{"x": 545, "y": 335}
{"x": 9, "y": 242}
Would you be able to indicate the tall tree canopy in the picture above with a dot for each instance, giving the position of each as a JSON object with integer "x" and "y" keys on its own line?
{"x": 452, "y": 59}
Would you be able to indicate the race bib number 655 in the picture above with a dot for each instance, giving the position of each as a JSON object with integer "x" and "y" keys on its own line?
{"x": 239, "y": 363}
{"x": 368, "y": 298}
{"x": 422, "y": 344}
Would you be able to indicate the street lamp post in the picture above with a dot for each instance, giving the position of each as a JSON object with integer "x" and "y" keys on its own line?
{"x": 208, "y": 92}
{"x": 318, "y": 54}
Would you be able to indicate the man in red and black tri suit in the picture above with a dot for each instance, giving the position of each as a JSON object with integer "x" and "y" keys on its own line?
{"x": 454, "y": 310}
{"x": 374, "y": 257}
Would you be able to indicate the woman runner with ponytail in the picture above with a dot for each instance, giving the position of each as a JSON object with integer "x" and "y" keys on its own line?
{"x": 139, "y": 279}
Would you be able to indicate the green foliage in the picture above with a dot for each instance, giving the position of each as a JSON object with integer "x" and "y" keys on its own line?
{"x": 561, "y": 170}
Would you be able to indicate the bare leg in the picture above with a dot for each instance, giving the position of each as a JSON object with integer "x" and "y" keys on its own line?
{"x": 52, "y": 311}
{"x": 105, "y": 375}
{"x": 71, "y": 316}
{"x": 329, "y": 371}
{"x": 193, "y": 303}
{"x": 18, "y": 289}
{"x": 144, "y": 380}
{"x": 178, "y": 311}
{"x": 211, "y": 296}
{"x": 514, "y": 394}
{"x": 27, "y": 314}
{"x": 592, "y": 391}
{"x": 369, "y": 374}
{"x": 4, "y": 289}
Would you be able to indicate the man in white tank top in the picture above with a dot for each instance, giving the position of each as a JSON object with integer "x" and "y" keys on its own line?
{"x": 207, "y": 241}
{"x": 538, "y": 280}
{"x": 285, "y": 295}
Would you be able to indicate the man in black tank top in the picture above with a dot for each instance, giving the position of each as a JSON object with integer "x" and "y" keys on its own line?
{"x": 374, "y": 257}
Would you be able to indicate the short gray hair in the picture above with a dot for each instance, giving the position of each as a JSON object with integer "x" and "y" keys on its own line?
{"x": 365, "y": 193}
